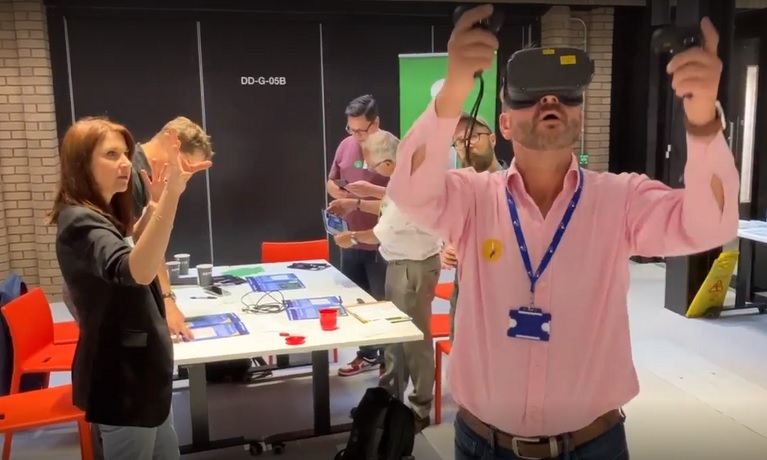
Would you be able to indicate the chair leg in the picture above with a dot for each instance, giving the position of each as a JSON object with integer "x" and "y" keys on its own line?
{"x": 7, "y": 442}
{"x": 15, "y": 382}
{"x": 8, "y": 438}
{"x": 438, "y": 387}
{"x": 86, "y": 440}
{"x": 335, "y": 355}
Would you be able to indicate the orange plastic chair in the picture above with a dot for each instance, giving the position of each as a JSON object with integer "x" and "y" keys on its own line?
{"x": 443, "y": 347}
{"x": 444, "y": 291}
{"x": 440, "y": 325}
{"x": 275, "y": 252}
{"x": 39, "y": 408}
{"x": 296, "y": 251}
{"x": 34, "y": 352}
{"x": 66, "y": 332}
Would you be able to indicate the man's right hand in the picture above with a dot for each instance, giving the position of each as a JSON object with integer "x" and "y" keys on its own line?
{"x": 469, "y": 50}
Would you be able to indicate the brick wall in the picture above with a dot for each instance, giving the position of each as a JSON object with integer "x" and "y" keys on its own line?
{"x": 28, "y": 146}
{"x": 563, "y": 27}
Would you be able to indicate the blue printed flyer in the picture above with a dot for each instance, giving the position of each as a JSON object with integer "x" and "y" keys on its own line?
{"x": 271, "y": 283}
{"x": 301, "y": 309}
{"x": 218, "y": 326}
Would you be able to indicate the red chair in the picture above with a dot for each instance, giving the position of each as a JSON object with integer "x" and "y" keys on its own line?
{"x": 66, "y": 332}
{"x": 440, "y": 325}
{"x": 274, "y": 252}
{"x": 443, "y": 347}
{"x": 296, "y": 251}
{"x": 39, "y": 408}
{"x": 444, "y": 291}
{"x": 34, "y": 352}
{"x": 440, "y": 328}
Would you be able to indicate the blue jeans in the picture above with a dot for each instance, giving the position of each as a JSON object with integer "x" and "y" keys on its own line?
{"x": 136, "y": 443}
{"x": 367, "y": 269}
{"x": 610, "y": 446}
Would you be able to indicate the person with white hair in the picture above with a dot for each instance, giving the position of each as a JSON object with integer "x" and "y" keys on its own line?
{"x": 412, "y": 274}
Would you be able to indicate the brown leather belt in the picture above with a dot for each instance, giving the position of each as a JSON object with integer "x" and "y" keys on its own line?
{"x": 545, "y": 447}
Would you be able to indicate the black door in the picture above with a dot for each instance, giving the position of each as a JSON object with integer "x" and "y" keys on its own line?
{"x": 263, "y": 106}
{"x": 143, "y": 72}
{"x": 749, "y": 142}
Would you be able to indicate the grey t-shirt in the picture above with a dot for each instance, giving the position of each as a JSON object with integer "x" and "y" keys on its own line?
{"x": 140, "y": 193}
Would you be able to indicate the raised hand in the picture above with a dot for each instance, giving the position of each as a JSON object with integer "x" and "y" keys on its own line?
{"x": 695, "y": 75}
{"x": 179, "y": 170}
{"x": 469, "y": 49}
{"x": 155, "y": 185}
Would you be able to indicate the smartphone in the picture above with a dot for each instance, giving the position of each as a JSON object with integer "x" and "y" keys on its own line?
{"x": 341, "y": 183}
{"x": 217, "y": 291}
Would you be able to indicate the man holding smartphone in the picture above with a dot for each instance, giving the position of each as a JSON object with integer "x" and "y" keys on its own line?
{"x": 351, "y": 180}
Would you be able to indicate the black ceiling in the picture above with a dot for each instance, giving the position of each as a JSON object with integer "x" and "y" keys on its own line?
{"x": 289, "y": 10}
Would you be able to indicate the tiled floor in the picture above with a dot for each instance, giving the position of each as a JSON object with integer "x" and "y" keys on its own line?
{"x": 704, "y": 394}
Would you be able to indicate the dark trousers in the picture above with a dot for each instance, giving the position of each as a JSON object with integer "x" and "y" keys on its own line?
{"x": 610, "y": 446}
{"x": 367, "y": 269}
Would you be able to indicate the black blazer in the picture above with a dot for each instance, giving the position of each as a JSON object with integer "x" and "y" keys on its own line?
{"x": 122, "y": 373}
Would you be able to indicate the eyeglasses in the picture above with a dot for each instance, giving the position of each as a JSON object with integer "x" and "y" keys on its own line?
{"x": 359, "y": 131}
{"x": 460, "y": 143}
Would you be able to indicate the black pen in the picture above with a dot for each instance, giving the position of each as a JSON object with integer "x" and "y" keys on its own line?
{"x": 203, "y": 298}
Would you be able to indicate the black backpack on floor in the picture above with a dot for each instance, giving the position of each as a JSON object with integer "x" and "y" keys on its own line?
{"x": 383, "y": 429}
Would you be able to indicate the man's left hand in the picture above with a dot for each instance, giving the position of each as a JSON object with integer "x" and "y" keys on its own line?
{"x": 176, "y": 322}
{"x": 695, "y": 75}
{"x": 342, "y": 206}
{"x": 363, "y": 189}
{"x": 344, "y": 240}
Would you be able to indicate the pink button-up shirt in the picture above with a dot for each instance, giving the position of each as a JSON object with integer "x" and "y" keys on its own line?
{"x": 535, "y": 388}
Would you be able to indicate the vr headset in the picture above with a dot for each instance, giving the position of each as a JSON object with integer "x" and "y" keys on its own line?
{"x": 534, "y": 73}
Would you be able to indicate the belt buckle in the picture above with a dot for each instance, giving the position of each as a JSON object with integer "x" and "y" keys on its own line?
{"x": 515, "y": 446}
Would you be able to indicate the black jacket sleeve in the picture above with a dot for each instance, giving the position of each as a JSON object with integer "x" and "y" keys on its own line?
{"x": 95, "y": 241}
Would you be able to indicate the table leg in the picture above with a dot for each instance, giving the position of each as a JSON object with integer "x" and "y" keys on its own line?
{"x": 321, "y": 392}
{"x": 744, "y": 278}
{"x": 198, "y": 407}
{"x": 198, "y": 404}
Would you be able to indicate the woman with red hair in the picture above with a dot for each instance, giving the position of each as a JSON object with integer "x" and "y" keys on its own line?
{"x": 122, "y": 372}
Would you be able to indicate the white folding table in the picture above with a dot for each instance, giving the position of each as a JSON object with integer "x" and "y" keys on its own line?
{"x": 264, "y": 339}
{"x": 750, "y": 233}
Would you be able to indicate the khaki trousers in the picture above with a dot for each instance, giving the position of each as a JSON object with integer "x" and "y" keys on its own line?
{"x": 410, "y": 285}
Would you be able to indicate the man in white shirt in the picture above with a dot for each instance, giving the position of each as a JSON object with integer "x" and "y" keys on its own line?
{"x": 412, "y": 275}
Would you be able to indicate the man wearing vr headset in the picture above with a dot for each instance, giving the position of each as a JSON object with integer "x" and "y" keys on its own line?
{"x": 541, "y": 363}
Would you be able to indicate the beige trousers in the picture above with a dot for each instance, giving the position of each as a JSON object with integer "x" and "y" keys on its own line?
{"x": 410, "y": 285}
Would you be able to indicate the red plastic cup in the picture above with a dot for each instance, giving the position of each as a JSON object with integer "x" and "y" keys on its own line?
{"x": 329, "y": 319}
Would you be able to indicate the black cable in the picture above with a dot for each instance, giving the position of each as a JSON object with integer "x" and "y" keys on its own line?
{"x": 473, "y": 114}
{"x": 267, "y": 303}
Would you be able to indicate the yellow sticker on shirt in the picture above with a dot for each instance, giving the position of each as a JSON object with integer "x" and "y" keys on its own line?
{"x": 492, "y": 250}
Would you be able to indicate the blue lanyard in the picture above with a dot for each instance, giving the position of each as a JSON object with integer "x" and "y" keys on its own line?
{"x": 534, "y": 275}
